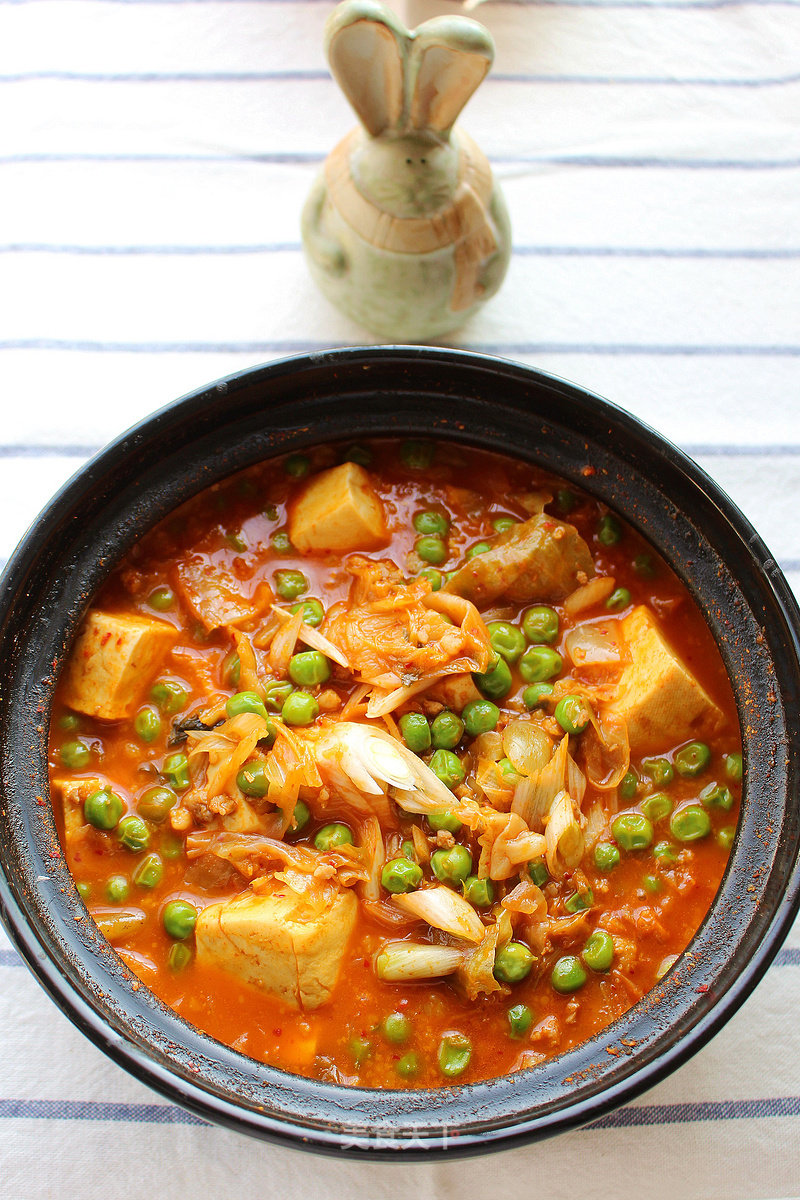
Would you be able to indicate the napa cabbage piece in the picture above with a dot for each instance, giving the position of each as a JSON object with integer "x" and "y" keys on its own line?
{"x": 398, "y": 962}
{"x": 215, "y": 593}
{"x": 395, "y": 634}
{"x": 542, "y": 559}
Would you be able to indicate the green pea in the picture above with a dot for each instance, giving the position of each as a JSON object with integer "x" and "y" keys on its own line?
{"x": 161, "y": 598}
{"x": 69, "y": 722}
{"x": 657, "y": 806}
{"x": 179, "y": 957}
{"x": 252, "y": 779}
{"x": 133, "y": 833}
{"x": 290, "y": 584}
{"x": 651, "y": 883}
{"x": 508, "y": 771}
{"x": 480, "y": 716}
{"x": 281, "y": 543}
{"x": 416, "y": 731}
{"x": 176, "y": 770}
{"x": 313, "y": 612}
{"x": 535, "y": 693}
{"x": 632, "y": 831}
{"x": 245, "y": 702}
{"x": 117, "y": 889}
{"x": 447, "y": 730}
{"x": 620, "y": 598}
{"x": 396, "y": 1028}
{"x": 417, "y": 455}
{"x": 606, "y": 856}
{"x": 84, "y": 890}
{"x": 360, "y": 1050}
{"x": 236, "y": 540}
{"x": 566, "y": 500}
{"x": 297, "y": 466}
{"x": 503, "y": 524}
{"x": 513, "y": 963}
{"x": 643, "y": 565}
{"x": 171, "y": 846}
{"x": 519, "y": 1020}
{"x": 331, "y": 836}
{"x": 716, "y": 795}
{"x": 434, "y": 577}
{"x": 495, "y": 683}
{"x": 309, "y": 668}
{"x": 408, "y": 851}
{"x": 538, "y": 872}
{"x": 276, "y": 694}
{"x": 156, "y": 803}
{"x": 431, "y": 549}
{"x": 448, "y": 768}
{"x": 568, "y": 974}
{"x": 179, "y": 918}
{"x": 609, "y": 530}
{"x": 506, "y": 640}
{"x": 400, "y": 875}
{"x": 659, "y": 770}
{"x": 665, "y": 852}
{"x": 442, "y": 818}
{"x": 598, "y": 953}
{"x": 573, "y": 714}
{"x": 75, "y": 755}
{"x": 452, "y": 866}
{"x": 357, "y": 454}
{"x": 103, "y": 809}
{"x": 629, "y": 785}
{"x": 479, "y": 892}
{"x": 170, "y": 697}
{"x": 431, "y": 522}
{"x": 478, "y": 548}
{"x": 409, "y": 1065}
{"x": 300, "y": 708}
{"x": 147, "y": 724}
{"x": 579, "y": 901}
{"x": 733, "y": 766}
{"x": 725, "y": 836}
{"x": 300, "y": 817}
{"x": 692, "y": 759}
{"x": 690, "y": 823}
{"x": 270, "y": 512}
{"x": 232, "y": 670}
{"x": 539, "y": 663}
{"x": 540, "y": 624}
{"x": 455, "y": 1052}
{"x": 149, "y": 872}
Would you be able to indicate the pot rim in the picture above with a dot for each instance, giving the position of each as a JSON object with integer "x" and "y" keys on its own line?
{"x": 206, "y": 1102}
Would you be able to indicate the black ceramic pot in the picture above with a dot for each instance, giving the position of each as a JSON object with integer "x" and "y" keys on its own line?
{"x": 467, "y": 398}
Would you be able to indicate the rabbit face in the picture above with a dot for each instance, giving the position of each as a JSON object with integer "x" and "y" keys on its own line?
{"x": 407, "y": 176}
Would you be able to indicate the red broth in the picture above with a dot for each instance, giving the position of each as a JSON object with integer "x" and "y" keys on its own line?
{"x": 646, "y": 902}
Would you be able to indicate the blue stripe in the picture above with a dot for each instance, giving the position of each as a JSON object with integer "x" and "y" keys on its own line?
{"x": 322, "y": 76}
{"x": 755, "y": 254}
{"x": 496, "y": 348}
{"x": 301, "y": 157}
{"x": 623, "y": 1118}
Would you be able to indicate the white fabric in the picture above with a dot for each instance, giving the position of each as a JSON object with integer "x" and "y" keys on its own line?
{"x": 153, "y": 160}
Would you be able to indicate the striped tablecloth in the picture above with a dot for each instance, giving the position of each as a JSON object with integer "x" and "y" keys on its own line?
{"x": 154, "y": 155}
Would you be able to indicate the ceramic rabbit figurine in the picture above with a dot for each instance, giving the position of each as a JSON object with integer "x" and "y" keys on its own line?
{"x": 404, "y": 229}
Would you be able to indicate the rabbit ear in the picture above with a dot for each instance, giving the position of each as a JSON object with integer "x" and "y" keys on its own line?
{"x": 367, "y": 47}
{"x": 450, "y": 56}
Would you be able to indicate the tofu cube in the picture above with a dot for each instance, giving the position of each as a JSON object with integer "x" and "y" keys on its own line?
{"x": 659, "y": 698}
{"x": 73, "y": 793}
{"x": 338, "y": 510}
{"x": 282, "y": 942}
{"x": 113, "y": 661}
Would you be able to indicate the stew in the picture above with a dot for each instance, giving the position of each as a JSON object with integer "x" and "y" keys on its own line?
{"x": 396, "y": 764}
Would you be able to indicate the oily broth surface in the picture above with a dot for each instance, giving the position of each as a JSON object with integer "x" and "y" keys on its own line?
{"x": 473, "y": 488}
